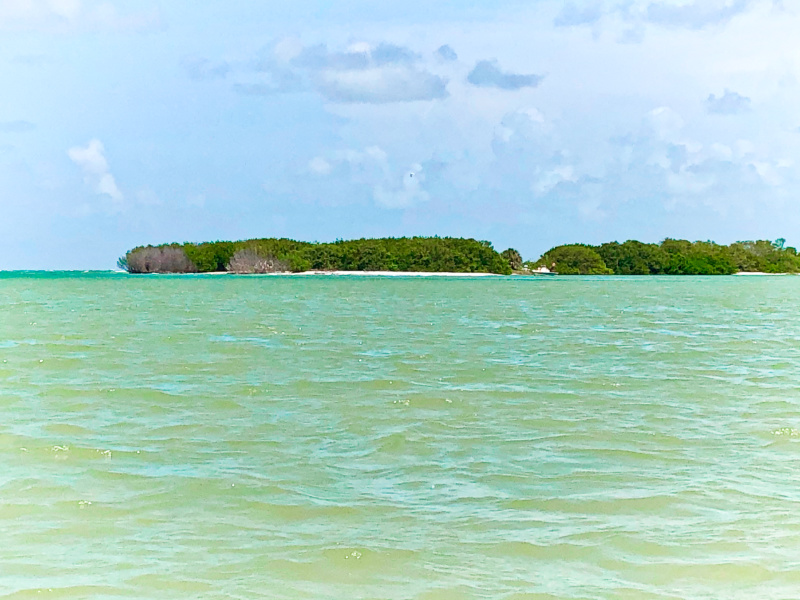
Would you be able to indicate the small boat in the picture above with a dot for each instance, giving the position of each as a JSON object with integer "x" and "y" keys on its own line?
{"x": 543, "y": 271}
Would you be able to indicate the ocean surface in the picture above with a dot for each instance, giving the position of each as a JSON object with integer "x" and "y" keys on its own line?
{"x": 204, "y": 437}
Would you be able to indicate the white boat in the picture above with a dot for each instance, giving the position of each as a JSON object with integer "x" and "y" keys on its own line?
{"x": 543, "y": 271}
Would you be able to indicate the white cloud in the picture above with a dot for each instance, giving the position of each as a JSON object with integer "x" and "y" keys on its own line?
{"x": 405, "y": 193}
{"x": 96, "y": 171}
{"x": 320, "y": 166}
{"x": 601, "y": 143}
{"x": 71, "y": 16}
{"x": 487, "y": 73}
{"x": 695, "y": 15}
{"x": 673, "y": 14}
{"x": 287, "y": 49}
{"x": 361, "y": 74}
{"x": 664, "y": 123}
{"x": 549, "y": 178}
{"x": 669, "y": 160}
{"x": 730, "y": 103}
{"x": 38, "y": 10}
{"x": 381, "y": 85}
{"x": 371, "y": 169}
{"x": 527, "y": 150}
{"x": 572, "y": 15}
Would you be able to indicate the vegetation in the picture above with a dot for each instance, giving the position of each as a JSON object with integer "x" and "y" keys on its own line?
{"x": 671, "y": 257}
{"x": 272, "y": 255}
{"x": 514, "y": 259}
{"x": 248, "y": 260}
{"x": 574, "y": 259}
{"x": 163, "y": 259}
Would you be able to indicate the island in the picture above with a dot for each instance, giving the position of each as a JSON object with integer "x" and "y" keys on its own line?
{"x": 670, "y": 257}
{"x": 273, "y": 255}
{"x": 428, "y": 255}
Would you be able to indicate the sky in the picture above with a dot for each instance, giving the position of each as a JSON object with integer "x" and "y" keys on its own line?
{"x": 528, "y": 124}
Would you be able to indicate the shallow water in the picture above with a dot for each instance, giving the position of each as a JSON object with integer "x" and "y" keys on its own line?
{"x": 322, "y": 437}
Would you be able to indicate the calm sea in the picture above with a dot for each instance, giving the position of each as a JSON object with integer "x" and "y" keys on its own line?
{"x": 378, "y": 438}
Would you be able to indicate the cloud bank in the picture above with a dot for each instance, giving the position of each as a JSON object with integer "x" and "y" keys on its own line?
{"x": 730, "y": 103}
{"x": 380, "y": 85}
{"x": 363, "y": 73}
{"x": 693, "y": 15}
{"x": 572, "y": 15}
{"x": 69, "y": 16}
{"x": 487, "y": 73}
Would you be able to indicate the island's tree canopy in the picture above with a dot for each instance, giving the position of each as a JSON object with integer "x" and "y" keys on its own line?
{"x": 673, "y": 257}
{"x": 433, "y": 254}
{"x": 574, "y": 259}
{"x": 633, "y": 258}
{"x": 513, "y": 257}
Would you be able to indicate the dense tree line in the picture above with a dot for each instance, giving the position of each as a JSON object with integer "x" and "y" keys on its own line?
{"x": 434, "y": 254}
{"x": 671, "y": 257}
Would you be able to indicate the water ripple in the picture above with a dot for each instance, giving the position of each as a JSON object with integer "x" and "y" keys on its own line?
{"x": 511, "y": 438}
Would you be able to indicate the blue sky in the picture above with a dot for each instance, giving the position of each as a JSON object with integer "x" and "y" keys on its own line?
{"x": 529, "y": 124}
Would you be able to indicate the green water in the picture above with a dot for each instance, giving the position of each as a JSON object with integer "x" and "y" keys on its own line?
{"x": 376, "y": 438}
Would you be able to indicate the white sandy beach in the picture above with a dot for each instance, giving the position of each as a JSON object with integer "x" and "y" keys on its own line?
{"x": 397, "y": 274}
{"x": 760, "y": 273}
{"x": 355, "y": 274}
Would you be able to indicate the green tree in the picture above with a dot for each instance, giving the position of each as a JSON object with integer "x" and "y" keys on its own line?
{"x": 574, "y": 259}
{"x": 386, "y": 254}
{"x": 633, "y": 258}
{"x": 513, "y": 257}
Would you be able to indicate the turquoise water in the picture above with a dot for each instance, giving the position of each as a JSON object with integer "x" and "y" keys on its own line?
{"x": 354, "y": 437}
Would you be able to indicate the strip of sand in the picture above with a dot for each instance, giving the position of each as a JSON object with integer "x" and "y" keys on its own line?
{"x": 356, "y": 274}
{"x": 396, "y": 274}
{"x": 760, "y": 273}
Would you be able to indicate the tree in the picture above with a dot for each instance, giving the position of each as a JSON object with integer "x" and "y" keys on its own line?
{"x": 633, "y": 258}
{"x": 574, "y": 259}
{"x": 159, "y": 259}
{"x": 248, "y": 260}
{"x": 514, "y": 259}
{"x": 387, "y": 254}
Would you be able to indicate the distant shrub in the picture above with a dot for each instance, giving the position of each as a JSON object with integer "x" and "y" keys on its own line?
{"x": 574, "y": 259}
{"x": 635, "y": 258}
{"x": 514, "y": 258}
{"x": 248, "y": 260}
{"x": 210, "y": 256}
{"x": 682, "y": 257}
{"x": 161, "y": 259}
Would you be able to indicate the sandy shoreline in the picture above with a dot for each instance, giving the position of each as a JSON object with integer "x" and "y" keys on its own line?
{"x": 398, "y": 274}
{"x": 361, "y": 273}
{"x": 405, "y": 274}
{"x": 760, "y": 273}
